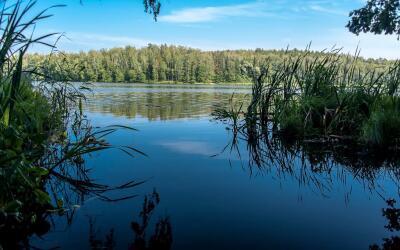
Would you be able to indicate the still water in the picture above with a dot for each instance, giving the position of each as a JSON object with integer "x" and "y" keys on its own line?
{"x": 210, "y": 198}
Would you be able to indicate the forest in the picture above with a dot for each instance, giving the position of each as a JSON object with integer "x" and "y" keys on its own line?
{"x": 174, "y": 64}
{"x": 317, "y": 133}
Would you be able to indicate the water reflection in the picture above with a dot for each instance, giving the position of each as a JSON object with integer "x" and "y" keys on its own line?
{"x": 161, "y": 102}
{"x": 319, "y": 166}
{"x": 160, "y": 239}
{"x": 258, "y": 193}
{"x": 313, "y": 164}
{"x": 392, "y": 215}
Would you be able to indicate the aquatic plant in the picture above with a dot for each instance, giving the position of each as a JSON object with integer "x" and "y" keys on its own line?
{"x": 383, "y": 125}
{"x": 324, "y": 97}
{"x": 309, "y": 117}
{"x": 44, "y": 135}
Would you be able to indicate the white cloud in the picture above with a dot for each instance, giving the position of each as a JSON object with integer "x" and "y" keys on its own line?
{"x": 370, "y": 45}
{"x": 261, "y": 8}
{"x": 374, "y": 46}
{"x": 322, "y": 9}
{"x": 103, "y": 41}
{"x": 77, "y": 41}
{"x": 206, "y": 14}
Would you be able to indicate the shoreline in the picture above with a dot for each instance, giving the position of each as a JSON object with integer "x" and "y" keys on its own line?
{"x": 249, "y": 84}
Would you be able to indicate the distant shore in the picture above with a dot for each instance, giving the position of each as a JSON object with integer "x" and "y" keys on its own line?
{"x": 181, "y": 83}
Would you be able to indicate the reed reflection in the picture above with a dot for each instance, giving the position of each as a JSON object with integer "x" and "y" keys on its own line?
{"x": 160, "y": 239}
{"x": 315, "y": 164}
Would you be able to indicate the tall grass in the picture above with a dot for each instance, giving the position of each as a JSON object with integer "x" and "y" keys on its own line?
{"x": 44, "y": 135}
{"x": 324, "y": 98}
{"x": 310, "y": 116}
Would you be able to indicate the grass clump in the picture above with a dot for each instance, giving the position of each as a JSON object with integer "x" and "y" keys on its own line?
{"x": 44, "y": 135}
{"x": 383, "y": 125}
{"x": 325, "y": 98}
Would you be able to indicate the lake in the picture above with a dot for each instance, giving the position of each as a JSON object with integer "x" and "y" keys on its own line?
{"x": 205, "y": 197}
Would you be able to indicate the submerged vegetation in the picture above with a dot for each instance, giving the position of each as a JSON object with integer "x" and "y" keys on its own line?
{"x": 176, "y": 64}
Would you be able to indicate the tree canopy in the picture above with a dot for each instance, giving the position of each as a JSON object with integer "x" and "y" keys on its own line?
{"x": 152, "y": 7}
{"x": 163, "y": 63}
{"x": 377, "y": 16}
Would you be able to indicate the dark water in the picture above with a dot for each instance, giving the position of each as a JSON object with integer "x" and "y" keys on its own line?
{"x": 217, "y": 202}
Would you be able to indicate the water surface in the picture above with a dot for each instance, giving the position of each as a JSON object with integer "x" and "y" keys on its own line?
{"x": 213, "y": 199}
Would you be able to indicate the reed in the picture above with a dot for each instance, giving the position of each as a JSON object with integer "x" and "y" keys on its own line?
{"x": 44, "y": 135}
{"x": 324, "y": 98}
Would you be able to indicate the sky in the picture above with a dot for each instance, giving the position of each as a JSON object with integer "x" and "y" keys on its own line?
{"x": 212, "y": 25}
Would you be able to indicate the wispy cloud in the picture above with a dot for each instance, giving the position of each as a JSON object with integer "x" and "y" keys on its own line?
{"x": 374, "y": 46}
{"x": 304, "y": 22}
{"x": 78, "y": 41}
{"x": 207, "y": 14}
{"x": 371, "y": 46}
{"x": 326, "y": 10}
{"x": 97, "y": 39}
{"x": 272, "y": 8}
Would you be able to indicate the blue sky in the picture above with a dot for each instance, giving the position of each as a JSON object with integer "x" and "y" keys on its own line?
{"x": 213, "y": 25}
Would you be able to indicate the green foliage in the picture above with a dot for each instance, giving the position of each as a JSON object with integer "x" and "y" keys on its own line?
{"x": 383, "y": 125}
{"x": 291, "y": 122}
{"x": 177, "y": 64}
{"x": 43, "y": 133}
{"x": 377, "y": 16}
{"x": 325, "y": 98}
{"x": 152, "y": 7}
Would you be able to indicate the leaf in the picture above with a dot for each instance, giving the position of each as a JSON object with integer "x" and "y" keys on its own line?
{"x": 13, "y": 206}
{"x": 6, "y": 117}
{"x": 41, "y": 196}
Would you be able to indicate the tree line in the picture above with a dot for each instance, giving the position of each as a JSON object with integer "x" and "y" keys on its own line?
{"x": 175, "y": 64}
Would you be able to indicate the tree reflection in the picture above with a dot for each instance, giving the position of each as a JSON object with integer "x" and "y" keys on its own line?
{"x": 160, "y": 105}
{"x": 392, "y": 214}
{"x": 161, "y": 239}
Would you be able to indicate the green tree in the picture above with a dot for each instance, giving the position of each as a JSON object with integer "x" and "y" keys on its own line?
{"x": 172, "y": 63}
{"x": 377, "y": 16}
